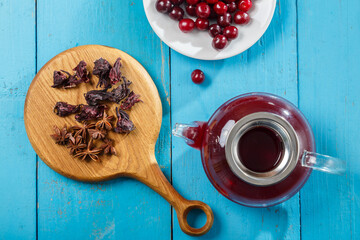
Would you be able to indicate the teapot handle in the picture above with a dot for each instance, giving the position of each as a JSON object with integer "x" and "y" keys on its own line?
{"x": 323, "y": 163}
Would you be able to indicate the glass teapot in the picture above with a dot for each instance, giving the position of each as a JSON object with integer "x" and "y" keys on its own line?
{"x": 257, "y": 149}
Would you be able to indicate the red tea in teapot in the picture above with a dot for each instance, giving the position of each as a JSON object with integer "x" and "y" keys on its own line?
{"x": 260, "y": 149}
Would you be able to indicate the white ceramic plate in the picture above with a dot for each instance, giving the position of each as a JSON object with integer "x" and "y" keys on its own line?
{"x": 197, "y": 44}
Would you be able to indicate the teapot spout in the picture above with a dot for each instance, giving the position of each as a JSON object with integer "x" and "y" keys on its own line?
{"x": 193, "y": 133}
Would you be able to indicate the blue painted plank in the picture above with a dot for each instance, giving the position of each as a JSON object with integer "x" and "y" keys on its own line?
{"x": 18, "y": 162}
{"x": 329, "y": 96}
{"x": 270, "y": 66}
{"x": 18, "y": 171}
{"x": 120, "y": 209}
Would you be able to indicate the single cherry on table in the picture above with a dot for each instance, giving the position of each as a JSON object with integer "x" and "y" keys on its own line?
{"x": 197, "y": 76}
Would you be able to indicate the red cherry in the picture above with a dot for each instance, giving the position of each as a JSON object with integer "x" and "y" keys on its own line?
{"x": 224, "y": 20}
{"x": 231, "y": 7}
{"x": 163, "y": 6}
{"x": 197, "y": 76}
{"x": 177, "y": 2}
{"x": 214, "y": 30}
{"x": 241, "y": 17}
{"x": 230, "y": 32}
{"x": 212, "y": 1}
{"x": 177, "y": 13}
{"x": 203, "y": 10}
{"x": 245, "y": 5}
{"x": 186, "y": 25}
{"x": 219, "y": 42}
{"x": 220, "y": 8}
{"x": 192, "y": 2}
{"x": 202, "y": 23}
{"x": 191, "y": 10}
{"x": 229, "y": 1}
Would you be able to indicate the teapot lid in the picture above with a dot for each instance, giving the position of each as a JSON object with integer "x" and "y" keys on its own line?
{"x": 288, "y": 137}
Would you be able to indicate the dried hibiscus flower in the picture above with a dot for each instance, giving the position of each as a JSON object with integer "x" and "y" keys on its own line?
{"x": 90, "y": 152}
{"x": 115, "y": 73}
{"x": 73, "y": 81}
{"x": 94, "y": 97}
{"x": 124, "y": 124}
{"x": 66, "y": 80}
{"x": 81, "y": 72}
{"x": 64, "y": 109}
{"x": 108, "y": 147}
{"x": 102, "y": 69}
{"x": 62, "y": 136}
{"x": 119, "y": 93}
{"x": 60, "y": 79}
{"x": 130, "y": 101}
{"x": 90, "y": 113}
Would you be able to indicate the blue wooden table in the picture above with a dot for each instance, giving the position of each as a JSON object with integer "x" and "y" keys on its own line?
{"x": 310, "y": 55}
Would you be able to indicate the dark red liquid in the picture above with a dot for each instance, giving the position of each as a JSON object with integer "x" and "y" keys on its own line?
{"x": 260, "y": 149}
{"x": 213, "y": 150}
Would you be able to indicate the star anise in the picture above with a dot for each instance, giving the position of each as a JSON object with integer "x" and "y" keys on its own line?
{"x": 82, "y": 130}
{"x": 105, "y": 123}
{"x": 76, "y": 144}
{"x": 97, "y": 133}
{"x": 108, "y": 147}
{"x": 62, "y": 136}
{"x": 90, "y": 152}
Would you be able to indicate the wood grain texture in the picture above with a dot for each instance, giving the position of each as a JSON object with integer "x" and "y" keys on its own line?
{"x": 269, "y": 66}
{"x": 119, "y": 209}
{"x": 18, "y": 165}
{"x": 329, "y": 88}
{"x": 135, "y": 158}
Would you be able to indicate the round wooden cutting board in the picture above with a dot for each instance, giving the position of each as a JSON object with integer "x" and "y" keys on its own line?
{"x": 135, "y": 151}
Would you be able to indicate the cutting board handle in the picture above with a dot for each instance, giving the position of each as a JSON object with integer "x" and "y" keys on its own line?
{"x": 155, "y": 179}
